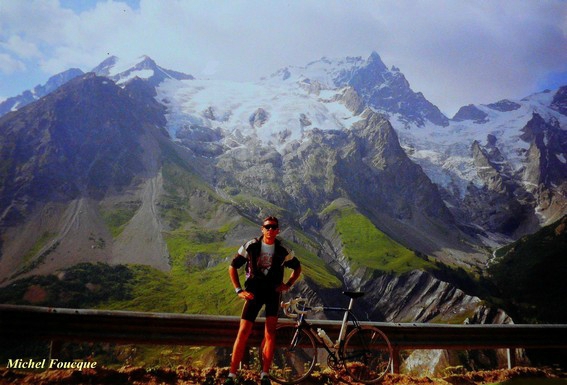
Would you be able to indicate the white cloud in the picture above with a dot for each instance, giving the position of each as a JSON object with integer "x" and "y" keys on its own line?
{"x": 10, "y": 65}
{"x": 454, "y": 51}
{"x": 20, "y": 47}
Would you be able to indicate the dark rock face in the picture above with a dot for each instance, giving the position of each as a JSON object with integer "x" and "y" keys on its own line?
{"x": 81, "y": 140}
{"x": 390, "y": 92}
{"x": 559, "y": 102}
{"x": 545, "y": 157}
{"x": 508, "y": 197}
{"x": 504, "y": 106}
{"x": 470, "y": 112}
{"x": 259, "y": 117}
{"x": 418, "y": 296}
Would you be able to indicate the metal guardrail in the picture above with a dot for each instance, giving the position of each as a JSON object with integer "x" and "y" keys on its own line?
{"x": 61, "y": 324}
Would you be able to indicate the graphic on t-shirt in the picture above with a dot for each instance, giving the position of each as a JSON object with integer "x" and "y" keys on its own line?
{"x": 264, "y": 261}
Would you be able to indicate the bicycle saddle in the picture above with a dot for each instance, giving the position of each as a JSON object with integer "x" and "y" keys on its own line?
{"x": 353, "y": 294}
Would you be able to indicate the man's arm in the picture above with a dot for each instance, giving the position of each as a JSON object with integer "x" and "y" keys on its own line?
{"x": 235, "y": 279}
{"x": 292, "y": 278}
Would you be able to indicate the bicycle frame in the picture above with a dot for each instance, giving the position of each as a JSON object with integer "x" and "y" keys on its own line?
{"x": 335, "y": 350}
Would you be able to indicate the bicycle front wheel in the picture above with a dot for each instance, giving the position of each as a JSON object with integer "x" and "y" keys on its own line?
{"x": 294, "y": 355}
{"x": 367, "y": 354}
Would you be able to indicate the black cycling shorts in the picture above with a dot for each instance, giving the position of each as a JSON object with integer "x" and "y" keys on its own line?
{"x": 264, "y": 295}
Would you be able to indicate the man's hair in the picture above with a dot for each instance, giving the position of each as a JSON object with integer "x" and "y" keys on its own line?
{"x": 271, "y": 219}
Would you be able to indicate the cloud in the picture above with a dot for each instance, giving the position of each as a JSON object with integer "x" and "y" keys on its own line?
{"x": 20, "y": 48}
{"x": 454, "y": 51}
{"x": 10, "y": 65}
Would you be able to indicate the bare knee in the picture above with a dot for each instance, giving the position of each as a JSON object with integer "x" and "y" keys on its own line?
{"x": 245, "y": 329}
{"x": 270, "y": 328}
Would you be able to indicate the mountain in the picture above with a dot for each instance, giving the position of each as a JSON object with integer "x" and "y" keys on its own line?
{"x": 385, "y": 90}
{"x": 500, "y": 166}
{"x": 121, "y": 72}
{"x": 453, "y": 152}
{"x": 138, "y": 164}
{"x": 94, "y": 177}
{"x": 117, "y": 70}
{"x": 54, "y": 82}
{"x": 322, "y": 95}
{"x": 330, "y": 94}
{"x": 62, "y": 155}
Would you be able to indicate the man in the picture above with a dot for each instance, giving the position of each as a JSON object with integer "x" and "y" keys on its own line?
{"x": 265, "y": 259}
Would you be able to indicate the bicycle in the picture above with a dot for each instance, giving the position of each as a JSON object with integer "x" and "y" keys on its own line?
{"x": 365, "y": 352}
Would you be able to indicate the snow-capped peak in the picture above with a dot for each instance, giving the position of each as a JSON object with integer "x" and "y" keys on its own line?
{"x": 121, "y": 71}
{"x": 446, "y": 154}
{"x": 324, "y": 71}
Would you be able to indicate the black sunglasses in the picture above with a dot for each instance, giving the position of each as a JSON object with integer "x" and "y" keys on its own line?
{"x": 271, "y": 227}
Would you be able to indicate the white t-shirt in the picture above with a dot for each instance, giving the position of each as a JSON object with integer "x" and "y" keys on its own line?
{"x": 265, "y": 258}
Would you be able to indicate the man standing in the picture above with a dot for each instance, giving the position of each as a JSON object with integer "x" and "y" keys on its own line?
{"x": 265, "y": 259}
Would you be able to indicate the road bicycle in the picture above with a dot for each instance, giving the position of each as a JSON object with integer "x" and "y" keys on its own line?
{"x": 365, "y": 352}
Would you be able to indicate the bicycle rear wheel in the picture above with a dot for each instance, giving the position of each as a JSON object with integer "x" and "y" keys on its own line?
{"x": 367, "y": 354}
{"x": 294, "y": 355}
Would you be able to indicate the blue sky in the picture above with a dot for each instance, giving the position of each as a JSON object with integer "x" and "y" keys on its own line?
{"x": 79, "y": 6}
{"x": 456, "y": 52}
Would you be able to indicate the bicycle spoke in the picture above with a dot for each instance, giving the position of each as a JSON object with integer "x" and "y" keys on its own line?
{"x": 367, "y": 354}
{"x": 294, "y": 356}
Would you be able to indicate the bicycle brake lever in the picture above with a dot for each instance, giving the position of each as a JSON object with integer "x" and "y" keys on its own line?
{"x": 290, "y": 308}
{"x": 287, "y": 312}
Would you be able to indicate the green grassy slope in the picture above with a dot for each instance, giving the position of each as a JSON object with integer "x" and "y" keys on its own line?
{"x": 366, "y": 246}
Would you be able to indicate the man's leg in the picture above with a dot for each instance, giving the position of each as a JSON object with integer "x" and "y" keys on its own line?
{"x": 240, "y": 344}
{"x": 269, "y": 343}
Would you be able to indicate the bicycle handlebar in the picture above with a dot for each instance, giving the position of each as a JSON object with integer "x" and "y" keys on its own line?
{"x": 292, "y": 311}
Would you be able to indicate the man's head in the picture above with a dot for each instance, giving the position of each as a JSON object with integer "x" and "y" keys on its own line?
{"x": 270, "y": 228}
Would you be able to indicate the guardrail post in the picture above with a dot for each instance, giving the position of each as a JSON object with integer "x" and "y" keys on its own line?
{"x": 395, "y": 361}
{"x": 55, "y": 349}
{"x": 511, "y": 356}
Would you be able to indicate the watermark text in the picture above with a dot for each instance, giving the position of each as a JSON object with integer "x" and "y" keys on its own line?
{"x": 52, "y": 363}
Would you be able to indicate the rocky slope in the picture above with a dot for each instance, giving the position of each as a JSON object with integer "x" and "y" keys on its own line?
{"x": 68, "y": 153}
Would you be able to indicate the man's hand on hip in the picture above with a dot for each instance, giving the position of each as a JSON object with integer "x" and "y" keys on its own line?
{"x": 246, "y": 295}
